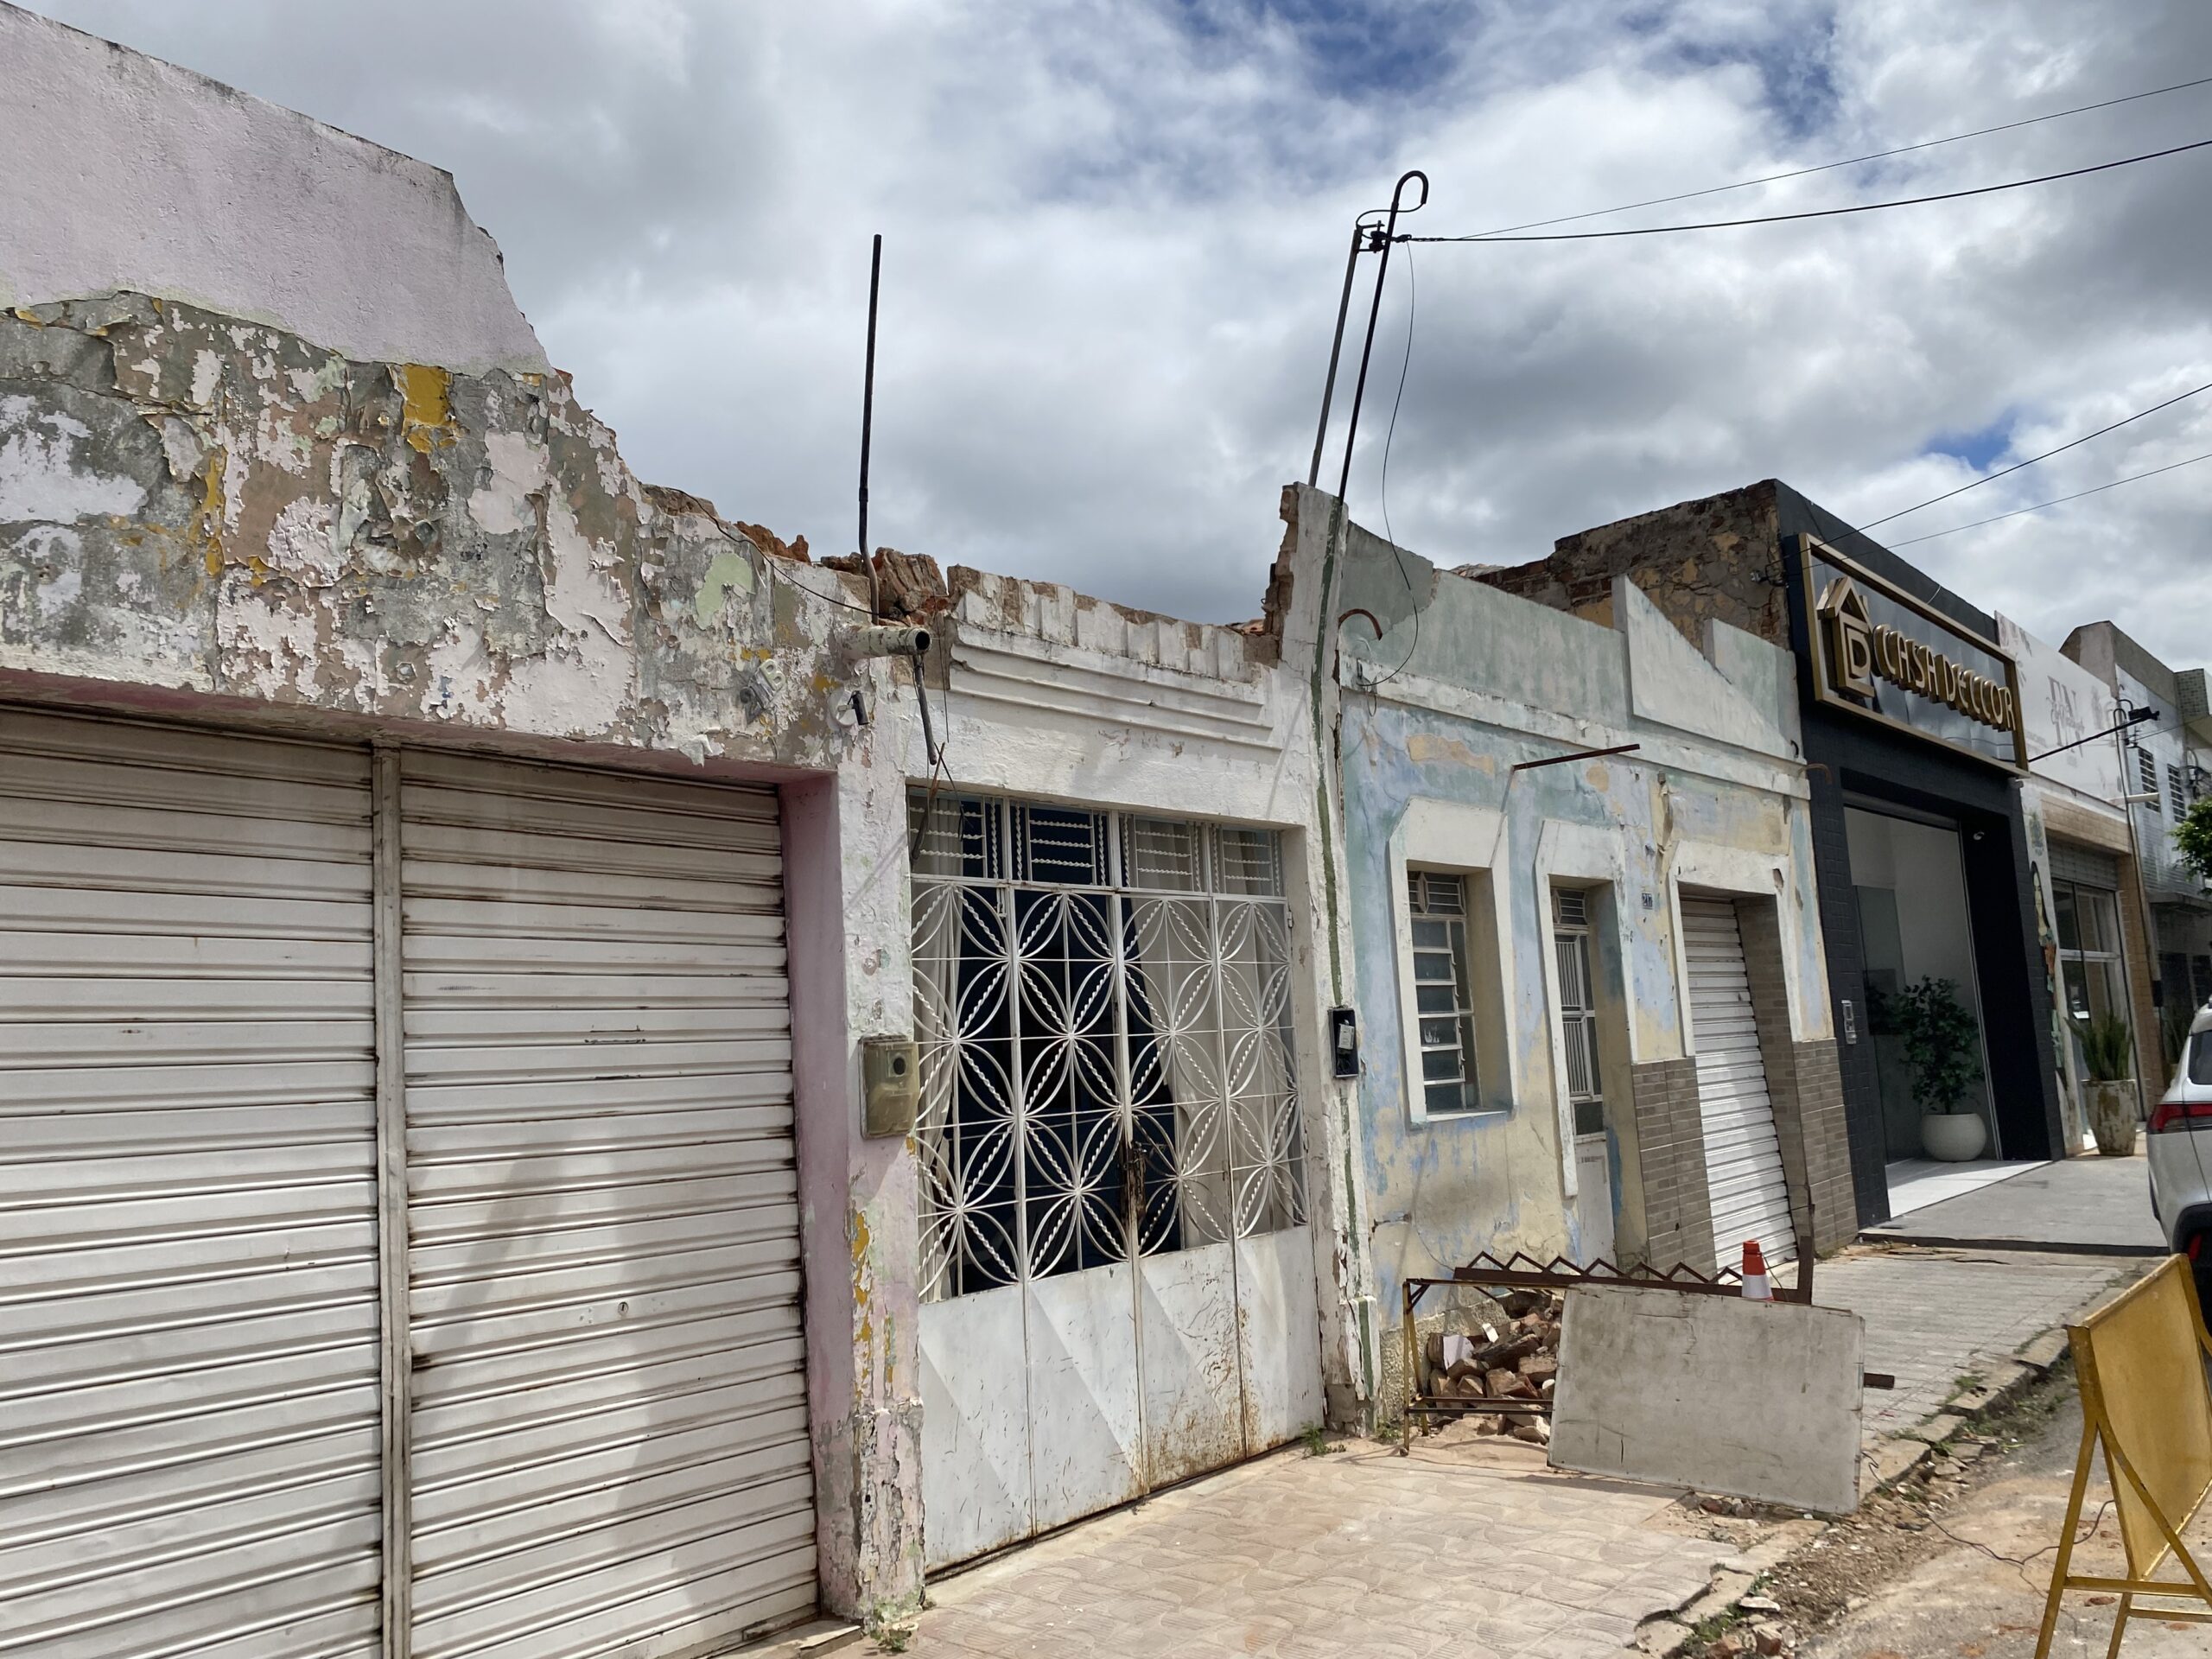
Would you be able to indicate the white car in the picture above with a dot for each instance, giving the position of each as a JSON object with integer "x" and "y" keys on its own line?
{"x": 2181, "y": 1155}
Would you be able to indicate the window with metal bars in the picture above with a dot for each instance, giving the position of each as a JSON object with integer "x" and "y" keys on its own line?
{"x": 1578, "y": 1008}
{"x": 2146, "y": 774}
{"x": 1442, "y": 1002}
{"x": 2177, "y": 792}
{"x": 1101, "y": 1004}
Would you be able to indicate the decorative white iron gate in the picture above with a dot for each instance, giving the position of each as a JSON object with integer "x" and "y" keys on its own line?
{"x": 1116, "y": 1269}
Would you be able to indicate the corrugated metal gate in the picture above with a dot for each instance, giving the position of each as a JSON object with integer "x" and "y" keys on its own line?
{"x": 1743, "y": 1154}
{"x": 189, "y": 1323}
{"x": 597, "y": 1315}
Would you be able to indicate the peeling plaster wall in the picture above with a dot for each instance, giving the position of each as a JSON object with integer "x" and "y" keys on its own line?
{"x": 126, "y": 172}
{"x": 1465, "y": 681}
{"x": 190, "y": 503}
{"x": 213, "y": 517}
{"x": 846, "y": 858}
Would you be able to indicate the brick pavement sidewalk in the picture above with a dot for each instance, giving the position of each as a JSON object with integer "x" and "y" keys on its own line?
{"x": 1934, "y": 1316}
{"x": 1468, "y": 1548}
{"x": 1476, "y": 1550}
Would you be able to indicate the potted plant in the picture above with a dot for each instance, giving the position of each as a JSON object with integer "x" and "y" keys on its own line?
{"x": 1940, "y": 1042}
{"x": 2109, "y": 1051}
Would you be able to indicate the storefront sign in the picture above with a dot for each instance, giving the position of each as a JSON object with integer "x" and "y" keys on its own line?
{"x": 1880, "y": 651}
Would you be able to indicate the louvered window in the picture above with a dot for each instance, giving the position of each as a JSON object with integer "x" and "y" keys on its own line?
{"x": 1578, "y": 1011}
{"x": 1442, "y": 1000}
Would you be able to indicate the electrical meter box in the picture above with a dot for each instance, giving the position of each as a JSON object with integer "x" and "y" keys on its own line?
{"x": 891, "y": 1085}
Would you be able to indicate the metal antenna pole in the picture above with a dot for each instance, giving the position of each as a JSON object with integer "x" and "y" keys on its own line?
{"x": 1375, "y": 313}
{"x": 1335, "y": 350}
{"x": 867, "y": 424}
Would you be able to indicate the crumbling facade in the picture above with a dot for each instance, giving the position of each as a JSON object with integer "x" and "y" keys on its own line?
{"x": 1584, "y": 947}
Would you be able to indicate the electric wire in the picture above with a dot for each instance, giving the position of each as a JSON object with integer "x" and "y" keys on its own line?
{"x": 771, "y": 562}
{"x": 2054, "y": 501}
{"x": 1821, "y": 212}
{"x": 2020, "y": 1563}
{"x": 1854, "y": 161}
{"x": 2071, "y": 443}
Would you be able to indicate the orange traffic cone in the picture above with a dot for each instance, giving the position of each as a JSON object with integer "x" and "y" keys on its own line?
{"x": 1756, "y": 1288}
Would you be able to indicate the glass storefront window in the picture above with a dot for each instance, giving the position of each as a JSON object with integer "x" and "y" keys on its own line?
{"x": 2088, "y": 952}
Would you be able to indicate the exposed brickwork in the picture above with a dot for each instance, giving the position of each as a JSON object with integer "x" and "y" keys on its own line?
{"x": 1805, "y": 1088}
{"x": 1827, "y": 1144}
{"x": 1714, "y": 559}
{"x": 1670, "y": 1136}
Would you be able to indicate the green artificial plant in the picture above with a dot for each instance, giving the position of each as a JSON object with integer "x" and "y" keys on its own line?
{"x": 2108, "y": 1049}
{"x": 1940, "y": 1040}
{"x": 2193, "y": 839}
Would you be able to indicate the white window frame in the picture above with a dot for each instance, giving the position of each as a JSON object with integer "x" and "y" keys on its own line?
{"x": 1583, "y": 1017}
{"x": 1467, "y": 842}
{"x": 1594, "y": 859}
{"x": 1460, "y": 963}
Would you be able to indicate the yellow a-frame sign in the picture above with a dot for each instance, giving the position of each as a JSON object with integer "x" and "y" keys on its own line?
{"x": 2139, "y": 1362}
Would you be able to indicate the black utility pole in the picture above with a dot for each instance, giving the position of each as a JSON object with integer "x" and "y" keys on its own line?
{"x": 867, "y": 424}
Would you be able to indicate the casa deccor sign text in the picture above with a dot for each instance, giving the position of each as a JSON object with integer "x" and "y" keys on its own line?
{"x": 1880, "y": 651}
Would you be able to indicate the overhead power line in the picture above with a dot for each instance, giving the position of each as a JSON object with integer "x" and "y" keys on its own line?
{"x": 2071, "y": 443}
{"x": 1823, "y": 212}
{"x": 1853, "y": 161}
{"x": 2055, "y": 501}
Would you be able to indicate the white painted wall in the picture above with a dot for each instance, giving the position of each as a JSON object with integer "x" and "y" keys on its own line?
{"x": 126, "y": 173}
{"x": 2062, "y": 701}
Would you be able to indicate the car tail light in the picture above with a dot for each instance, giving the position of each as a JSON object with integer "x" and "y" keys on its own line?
{"x": 2180, "y": 1115}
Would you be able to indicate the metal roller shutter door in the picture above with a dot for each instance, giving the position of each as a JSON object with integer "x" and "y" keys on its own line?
{"x": 1744, "y": 1175}
{"x": 189, "y": 1404}
{"x": 610, "y": 1428}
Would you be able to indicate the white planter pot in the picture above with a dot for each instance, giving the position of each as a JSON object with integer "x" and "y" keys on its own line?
{"x": 1954, "y": 1137}
{"x": 2112, "y": 1117}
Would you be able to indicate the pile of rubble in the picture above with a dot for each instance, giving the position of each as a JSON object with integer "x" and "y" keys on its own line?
{"x": 1512, "y": 1359}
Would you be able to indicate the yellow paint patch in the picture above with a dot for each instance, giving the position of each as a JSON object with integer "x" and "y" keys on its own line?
{"x": 861, "y": 1276}
{"x": 1428, "y": 747}
{"x": 211, "y": 503}
{"x": 1598, "y": 775}
{"x": 426, "y": 399}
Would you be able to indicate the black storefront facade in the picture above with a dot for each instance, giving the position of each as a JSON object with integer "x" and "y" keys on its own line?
{"x": 1912, "y": 730}
{"x": 1942, "y": 761}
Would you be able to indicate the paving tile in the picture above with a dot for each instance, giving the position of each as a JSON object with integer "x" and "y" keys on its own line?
{"x": 1335, "y": 1559}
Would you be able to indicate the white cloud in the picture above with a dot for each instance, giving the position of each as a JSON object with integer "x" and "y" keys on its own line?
{"x": 1115, "y": 230}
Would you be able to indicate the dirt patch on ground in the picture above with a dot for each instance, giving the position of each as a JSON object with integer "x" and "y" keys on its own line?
{"x": 1894, "y": 1532}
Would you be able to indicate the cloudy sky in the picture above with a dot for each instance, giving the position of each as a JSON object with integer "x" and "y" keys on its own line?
{"x": 1114, "y": 234}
